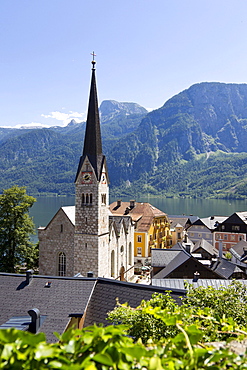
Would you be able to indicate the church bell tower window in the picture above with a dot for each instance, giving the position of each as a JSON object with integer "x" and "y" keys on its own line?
{"x": 86, "y": 199}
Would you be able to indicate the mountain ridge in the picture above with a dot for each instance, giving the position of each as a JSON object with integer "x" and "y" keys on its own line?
{"x": 173, "y": 150}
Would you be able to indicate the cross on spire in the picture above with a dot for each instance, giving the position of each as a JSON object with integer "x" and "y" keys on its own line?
{"x": 94, "y": 55}
{"x": 93, "y": 61}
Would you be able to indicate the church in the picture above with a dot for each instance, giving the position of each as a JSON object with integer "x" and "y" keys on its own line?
{"x": 87, "y": 239}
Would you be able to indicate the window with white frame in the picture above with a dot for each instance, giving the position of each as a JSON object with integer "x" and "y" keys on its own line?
{"x": 139, "y": 251}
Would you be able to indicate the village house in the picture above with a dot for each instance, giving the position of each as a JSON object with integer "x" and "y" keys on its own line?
{"x": 151, "y": 228}
{"x": 178, "y": 226}
{"x": 232, "y": 230}
{"x": 203, "y": 228}
{"x": 178, "y": 262}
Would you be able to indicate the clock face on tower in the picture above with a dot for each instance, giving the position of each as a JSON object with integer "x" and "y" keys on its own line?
{"x": 86, "y": 177}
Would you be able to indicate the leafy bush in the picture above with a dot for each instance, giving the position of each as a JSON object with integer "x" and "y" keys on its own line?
{"x": 205, "y": 307}
{"x": 110, "y": 348}
{"x": 166, "y": 336}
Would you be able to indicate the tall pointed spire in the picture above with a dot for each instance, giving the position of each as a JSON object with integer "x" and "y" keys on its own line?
{"x": 92, "y": 141}
{"x": 92, "y": 148}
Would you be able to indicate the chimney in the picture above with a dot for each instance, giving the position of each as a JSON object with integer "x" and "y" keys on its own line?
{"x": 29, "y": 276}
{"x": 187, "y": 247}
{"x": 132, "y": 203}
{"x": 196, "y": 276}
{"x": 90, "y": 274}
{"x": 35, "y": 323}
{"x": 119, "y": 201}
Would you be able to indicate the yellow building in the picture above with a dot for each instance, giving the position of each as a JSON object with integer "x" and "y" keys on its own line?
{"x": 152, "y": 227}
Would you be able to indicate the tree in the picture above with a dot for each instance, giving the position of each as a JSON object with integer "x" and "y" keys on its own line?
{"x": 16, "y": 226}
{"x": 218, "y": 304}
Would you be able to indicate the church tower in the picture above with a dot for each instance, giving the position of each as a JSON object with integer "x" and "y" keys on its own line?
{"x": 91, "y": 238}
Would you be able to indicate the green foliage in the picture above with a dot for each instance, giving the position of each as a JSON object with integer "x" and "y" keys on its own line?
{"x": 179, "y": 337}
{"x": 229, "y": 302}
{"x": 109, "y": 348}
{"x": 16, "y": 226}
{"x": 208, "y": 308}
{"x": 142, "y": 325}
{"x": 220, "y": 176}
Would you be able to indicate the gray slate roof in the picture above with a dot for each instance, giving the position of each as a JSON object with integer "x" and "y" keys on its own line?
{"x": 107, "y": 291}
{"x": 68, "y": 295}
{"x": 210, "y": 222}
{"x": 180, "y": 283}
{"x": 239, "y": 249}
{"x": 204, "y": 244}
{"x": 226, "y": 268}
{"x": 65, "y": 296}
{"x": 162, "y": 257}
{"x": 178, "y": 260}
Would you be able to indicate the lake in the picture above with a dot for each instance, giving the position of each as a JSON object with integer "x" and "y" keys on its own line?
{"x": 46, "y": 207}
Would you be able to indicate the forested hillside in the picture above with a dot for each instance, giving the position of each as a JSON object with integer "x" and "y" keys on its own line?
{"x": 45, "y": 159}
{"x": 193, "y": 146}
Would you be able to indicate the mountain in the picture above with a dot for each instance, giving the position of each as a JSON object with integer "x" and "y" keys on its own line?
{"x": 45, "y": 160}
{"x": 207, "y": 118}
{"x": 118, "y": 119}
{"x": 193, "y": 146}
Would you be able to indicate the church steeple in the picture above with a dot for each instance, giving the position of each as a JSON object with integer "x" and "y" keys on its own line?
{"x": 91, "y": 236}
{"x": 92, "y": 142}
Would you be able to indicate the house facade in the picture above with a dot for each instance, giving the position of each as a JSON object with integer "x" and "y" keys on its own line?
{"x": 151, "y": 228}
{"x": 204, "y": 228}
{"x": 231, "y": 231}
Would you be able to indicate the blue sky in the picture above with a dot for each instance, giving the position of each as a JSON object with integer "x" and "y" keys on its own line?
{"x": 147, "y": 51}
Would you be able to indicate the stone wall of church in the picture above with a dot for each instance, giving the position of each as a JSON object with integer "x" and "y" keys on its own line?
{"x": 91, "y": 240}
{"x": 121, "y": 247}
{"x": 56, "y": 238}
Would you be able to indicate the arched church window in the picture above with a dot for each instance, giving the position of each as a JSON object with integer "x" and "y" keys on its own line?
{"x": 62, "y": 264}
{"x": 82, "y": 198}
{"x": 91, "y": 198}
{"x": 130, "y": 254}
{"x": 87, "y": 199}
{"x": 113, "y": 263}
{"x": 103, "y": 198}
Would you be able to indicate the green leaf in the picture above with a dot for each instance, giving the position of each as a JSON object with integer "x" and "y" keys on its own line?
{"x": 155, "y": 364}
{"x": 103, "y": 358}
